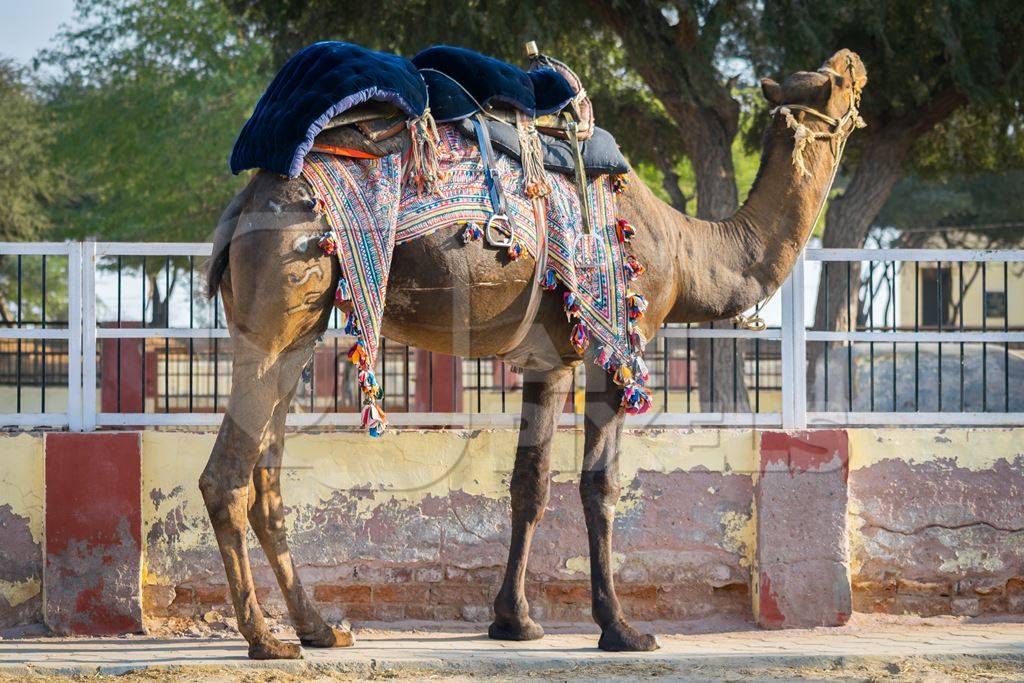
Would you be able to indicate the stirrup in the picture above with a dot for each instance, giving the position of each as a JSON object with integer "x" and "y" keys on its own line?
{"x": 501, "y": 241}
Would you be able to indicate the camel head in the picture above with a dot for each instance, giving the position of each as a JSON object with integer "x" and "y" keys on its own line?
{"x": 832, "y": 89}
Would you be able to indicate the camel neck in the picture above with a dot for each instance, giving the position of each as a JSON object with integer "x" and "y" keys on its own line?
{"x": 729, "y": 265}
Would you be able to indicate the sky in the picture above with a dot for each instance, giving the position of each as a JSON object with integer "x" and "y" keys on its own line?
{"x": 26, "y": 26}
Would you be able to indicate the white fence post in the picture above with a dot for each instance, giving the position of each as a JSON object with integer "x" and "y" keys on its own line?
{"x": 89, "y": 337}
{"x": 794, "y": 350}
{"x": 75, "y": 414}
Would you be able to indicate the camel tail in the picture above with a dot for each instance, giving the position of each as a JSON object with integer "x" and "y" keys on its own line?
{"x": 217, "y": 264}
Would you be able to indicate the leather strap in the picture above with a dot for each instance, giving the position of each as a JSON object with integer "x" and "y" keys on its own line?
{"x": 536, "y": 293}
{"x": 497, "y": 196}
{"x": 581, "y": 174}
{"x": 494, "y": 189}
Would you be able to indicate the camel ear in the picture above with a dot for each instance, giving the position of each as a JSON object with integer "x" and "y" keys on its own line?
{"x": 772, "y": 91}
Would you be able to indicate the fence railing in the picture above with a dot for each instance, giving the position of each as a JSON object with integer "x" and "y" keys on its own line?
{"x": 102, "y": 334}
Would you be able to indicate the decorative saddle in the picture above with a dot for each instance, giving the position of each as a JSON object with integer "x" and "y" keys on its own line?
{"x": 334, "y": 102}
{"x": 346, "y": 98}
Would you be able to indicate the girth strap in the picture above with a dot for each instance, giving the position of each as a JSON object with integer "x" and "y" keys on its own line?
{"x": 497, "y": 196}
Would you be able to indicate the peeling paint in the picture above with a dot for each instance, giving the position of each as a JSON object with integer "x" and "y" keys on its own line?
{"x": 740, "y": 535}
{"x": 580, "y": 564}
{"x": 972, "y": 560}
{"x": 973, "y": 449}
{"x": 21, "y": 528}
{"x": 17, "y": 592}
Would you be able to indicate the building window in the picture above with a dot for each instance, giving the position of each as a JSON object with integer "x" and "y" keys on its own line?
{"x": 933, "y": 286}
{"x": 995, "y": 304}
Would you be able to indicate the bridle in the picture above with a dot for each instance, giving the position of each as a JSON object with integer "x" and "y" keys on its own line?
{"x": 838, "y": 133}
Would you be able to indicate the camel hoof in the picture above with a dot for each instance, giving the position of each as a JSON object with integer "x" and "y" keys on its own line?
{"x": 270, "y": 647}
{"x": 329, "y": 637}
{"x": 621, "y": 637}
{"x": 528, "y": 629}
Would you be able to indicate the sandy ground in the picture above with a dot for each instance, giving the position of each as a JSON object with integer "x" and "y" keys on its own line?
{"x": 870, "y": 648}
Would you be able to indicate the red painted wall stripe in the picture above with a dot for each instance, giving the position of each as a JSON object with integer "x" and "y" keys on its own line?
{"x": 91, "y": 576}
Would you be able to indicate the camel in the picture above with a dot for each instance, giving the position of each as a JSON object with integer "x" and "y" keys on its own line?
{"x": 278, "y": 292}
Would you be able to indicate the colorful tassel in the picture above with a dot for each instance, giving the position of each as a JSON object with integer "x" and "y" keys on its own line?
{"x": 357, "y": 354}
{"x": 636, "y": 399}
{"x": 328, "y": 244}
{"x": 343, "y": 293}
{"x": 633, "y": 267}
{"x": 368, "y": 382}
{"x": 579, "y": 338}
{"x": 623, "y": 375}
{"x": 603, "y": 357}
{"x": 619, "y": 183}
{"x": 352, "y": 325}
{"x": 571, "y": 305}
{"x": 624, "y": 230}
{"x": 641, "y": 373}
{"x": 515, "y": 250}
{"x": 549, "y": 282}
{"x": 637, "y": 339}
{"x": 637, "y": 304}
{"x": 374, "y": 419}
{"x": 471, "y": 233}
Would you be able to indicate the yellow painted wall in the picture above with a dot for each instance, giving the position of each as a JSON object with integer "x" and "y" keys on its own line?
{"x": 408, "y": 466}
{"x": 21, "y": 488}
{"x": 970, "y": 448}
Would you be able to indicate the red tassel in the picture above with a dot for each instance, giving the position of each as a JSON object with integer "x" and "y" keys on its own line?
{"x": 579, "y": 338}
{"x": 624, "y": 230}
{"x": 328, "y": 244}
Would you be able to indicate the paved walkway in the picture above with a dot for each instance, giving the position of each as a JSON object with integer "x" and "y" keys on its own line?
{"x": 886, "y": 647}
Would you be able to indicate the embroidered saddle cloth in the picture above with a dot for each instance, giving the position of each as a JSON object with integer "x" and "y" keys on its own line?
{"x": 369, "y": 210}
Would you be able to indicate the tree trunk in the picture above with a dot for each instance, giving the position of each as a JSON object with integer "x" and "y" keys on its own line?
{"x": 670, "y": 183}
{"x": 847, "y": 222}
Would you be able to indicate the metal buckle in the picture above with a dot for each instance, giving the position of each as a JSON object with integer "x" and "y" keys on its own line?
{"x": 587, "y": 251}
{"x": 501, "y": 241}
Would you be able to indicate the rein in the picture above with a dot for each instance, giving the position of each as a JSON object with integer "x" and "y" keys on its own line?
{"x": 841, "y": 129}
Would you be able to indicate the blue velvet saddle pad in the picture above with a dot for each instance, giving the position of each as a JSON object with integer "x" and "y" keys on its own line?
{"x": 324, "y": 79}
{"x": 475, "y": 80}
{"x": 319, "y": 82}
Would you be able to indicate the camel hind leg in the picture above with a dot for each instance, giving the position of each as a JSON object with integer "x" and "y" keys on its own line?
{"x": 543, "y": 397}
{"x": 599, "y": 491}
{"x": 277, "y": 297}
{"x": 244, "y": 436}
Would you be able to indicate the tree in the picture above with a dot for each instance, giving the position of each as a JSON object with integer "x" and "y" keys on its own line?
{"x": 150, "y": 97}
{"x": 30, "y": 179}
{"x": 925, "y": 62}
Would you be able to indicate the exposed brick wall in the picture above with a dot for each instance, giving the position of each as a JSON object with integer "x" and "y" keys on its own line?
{"x": 466, "y": 598}
{"x": 934, "y": 538}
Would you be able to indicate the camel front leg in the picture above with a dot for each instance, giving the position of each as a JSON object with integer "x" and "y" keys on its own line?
{"x": 599, "y": 491}
{"x": 267, "y": 518}
{"x": 543, "y": 398}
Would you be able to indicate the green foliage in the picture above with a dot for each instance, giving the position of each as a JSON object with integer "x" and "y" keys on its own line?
{"x": 913, "y": 51}
{"x": 30, "y": 180}
{"x": 150, "y": 97}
